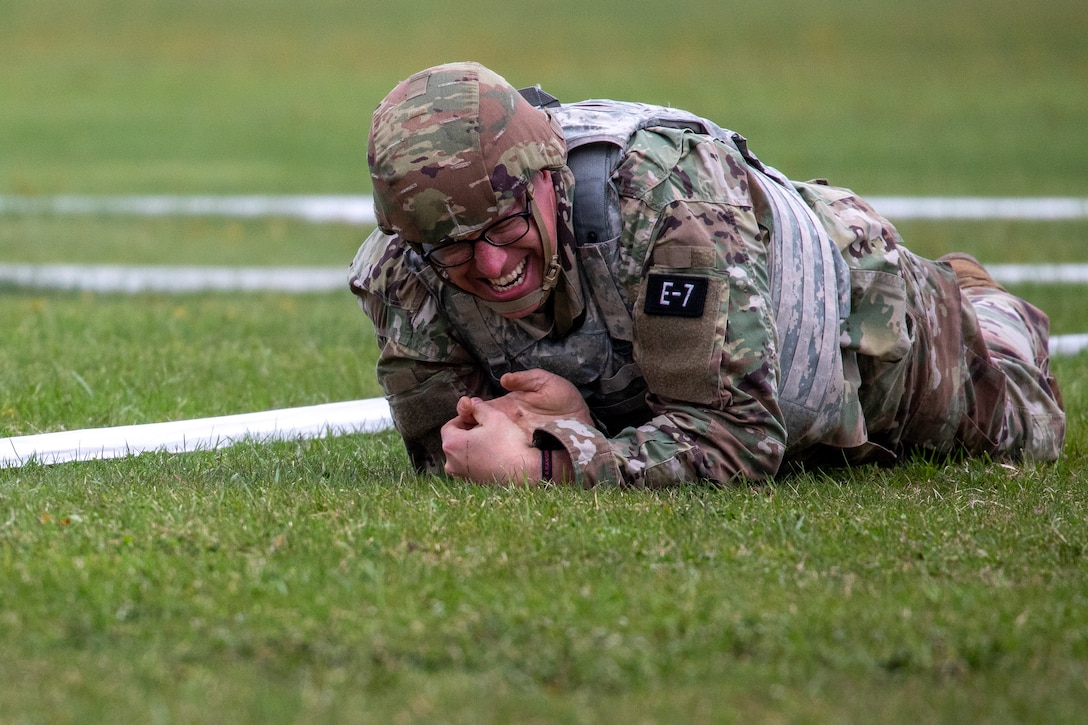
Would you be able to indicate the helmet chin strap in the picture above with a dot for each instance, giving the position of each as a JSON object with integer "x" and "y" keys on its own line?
{"x": 531, "y": 301}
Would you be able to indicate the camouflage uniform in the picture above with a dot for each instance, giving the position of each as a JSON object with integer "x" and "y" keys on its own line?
{"x": 739, "y": 321}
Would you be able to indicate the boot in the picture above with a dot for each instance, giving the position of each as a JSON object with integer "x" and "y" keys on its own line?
{"x": 969, "y": 272}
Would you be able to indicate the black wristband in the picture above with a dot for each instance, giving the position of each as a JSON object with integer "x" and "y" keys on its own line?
{"x": 546, "y": 464}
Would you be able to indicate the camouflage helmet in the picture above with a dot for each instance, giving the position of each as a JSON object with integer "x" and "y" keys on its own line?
{"x": 452, "y": 149}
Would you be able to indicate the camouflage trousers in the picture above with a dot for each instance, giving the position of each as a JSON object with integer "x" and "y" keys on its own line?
{"x": 977, "y": 378}
{"x": 1016, "y": 334}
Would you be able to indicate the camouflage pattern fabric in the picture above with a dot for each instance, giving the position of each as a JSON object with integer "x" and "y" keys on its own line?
{"x": 447, "y": 152}
{"x": 925, "y": 367}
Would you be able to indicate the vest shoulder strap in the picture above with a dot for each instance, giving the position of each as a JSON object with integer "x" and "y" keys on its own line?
{"x": 596, "y": 217}
{"x": 592, "y": 163}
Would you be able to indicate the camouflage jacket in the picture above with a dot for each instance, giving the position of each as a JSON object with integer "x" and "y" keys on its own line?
{"x": 703, "y": 353}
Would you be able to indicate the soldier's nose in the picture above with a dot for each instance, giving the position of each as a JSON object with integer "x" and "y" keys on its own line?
{"x": 490, "y": 260}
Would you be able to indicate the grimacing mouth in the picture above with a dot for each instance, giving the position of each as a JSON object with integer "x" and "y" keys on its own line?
{"x": 511, "y": 280}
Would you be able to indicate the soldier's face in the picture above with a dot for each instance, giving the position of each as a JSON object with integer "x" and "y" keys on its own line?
{"x": 500, "y": 274}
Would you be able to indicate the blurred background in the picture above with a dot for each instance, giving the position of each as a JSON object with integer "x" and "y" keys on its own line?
{"x": 933, "y": 97}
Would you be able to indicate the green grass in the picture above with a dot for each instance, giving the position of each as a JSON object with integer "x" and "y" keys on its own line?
{"x": 91, "y": 239}
{"x": 321, "y": 580}
{"x": 317, "y": 581}
{"x": 82, "y": 360}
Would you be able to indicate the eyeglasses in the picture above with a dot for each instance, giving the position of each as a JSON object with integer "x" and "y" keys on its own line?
{"x": 505, "y": 231}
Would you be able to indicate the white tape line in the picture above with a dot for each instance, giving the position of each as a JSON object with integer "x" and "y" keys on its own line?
{"x": 125, "y": 279}
{"x": 1068, "y": 344}
{"x": 1045, "y": 273}
{"x": 356, "y": 416}
{"x": 360, "y": 209}
{"x": 312, "y": 208}
{"x": 133, "y": 279}
{"x": 976, "y": 207}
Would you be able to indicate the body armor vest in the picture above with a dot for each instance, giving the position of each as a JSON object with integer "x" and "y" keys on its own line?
{"x": 809, "y": 284}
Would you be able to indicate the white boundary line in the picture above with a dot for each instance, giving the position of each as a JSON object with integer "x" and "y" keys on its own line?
{"x": 1068, "y": 344}
{"x": 1047, "y": 273}
{"x": 110, "y": 278}
{"x": 359, "y": 209}
{"x": 315, "y": 421}
{"x": 312, "y": 208}
{"x": 122, "y": 279}
{"x": 980, "y": 207}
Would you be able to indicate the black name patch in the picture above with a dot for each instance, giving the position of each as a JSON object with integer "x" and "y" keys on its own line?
{"x": 675, "y": 294}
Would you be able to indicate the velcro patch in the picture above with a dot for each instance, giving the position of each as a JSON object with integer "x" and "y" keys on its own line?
{"x": 676, "y": 295}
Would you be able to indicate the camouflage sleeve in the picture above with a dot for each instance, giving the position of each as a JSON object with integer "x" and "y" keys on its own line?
{"x": 422, "y": 367}
{"x": 703, "y": 324}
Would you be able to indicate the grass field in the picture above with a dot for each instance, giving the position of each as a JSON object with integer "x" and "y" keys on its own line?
{"x": 321, "y": 580}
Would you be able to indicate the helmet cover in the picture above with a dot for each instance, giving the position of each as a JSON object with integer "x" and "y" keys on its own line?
{"x": 452, "y": 149}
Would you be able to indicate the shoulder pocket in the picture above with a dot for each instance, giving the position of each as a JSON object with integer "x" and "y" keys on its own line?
{"x": 679, "y": 333}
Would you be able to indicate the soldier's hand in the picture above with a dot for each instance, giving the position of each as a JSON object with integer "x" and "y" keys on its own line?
{"x": 483, "y": 444}
{"x": 537, "y": 397}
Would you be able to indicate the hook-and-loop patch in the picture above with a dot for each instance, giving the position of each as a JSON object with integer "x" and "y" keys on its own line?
{"x": 678, "y": 295}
